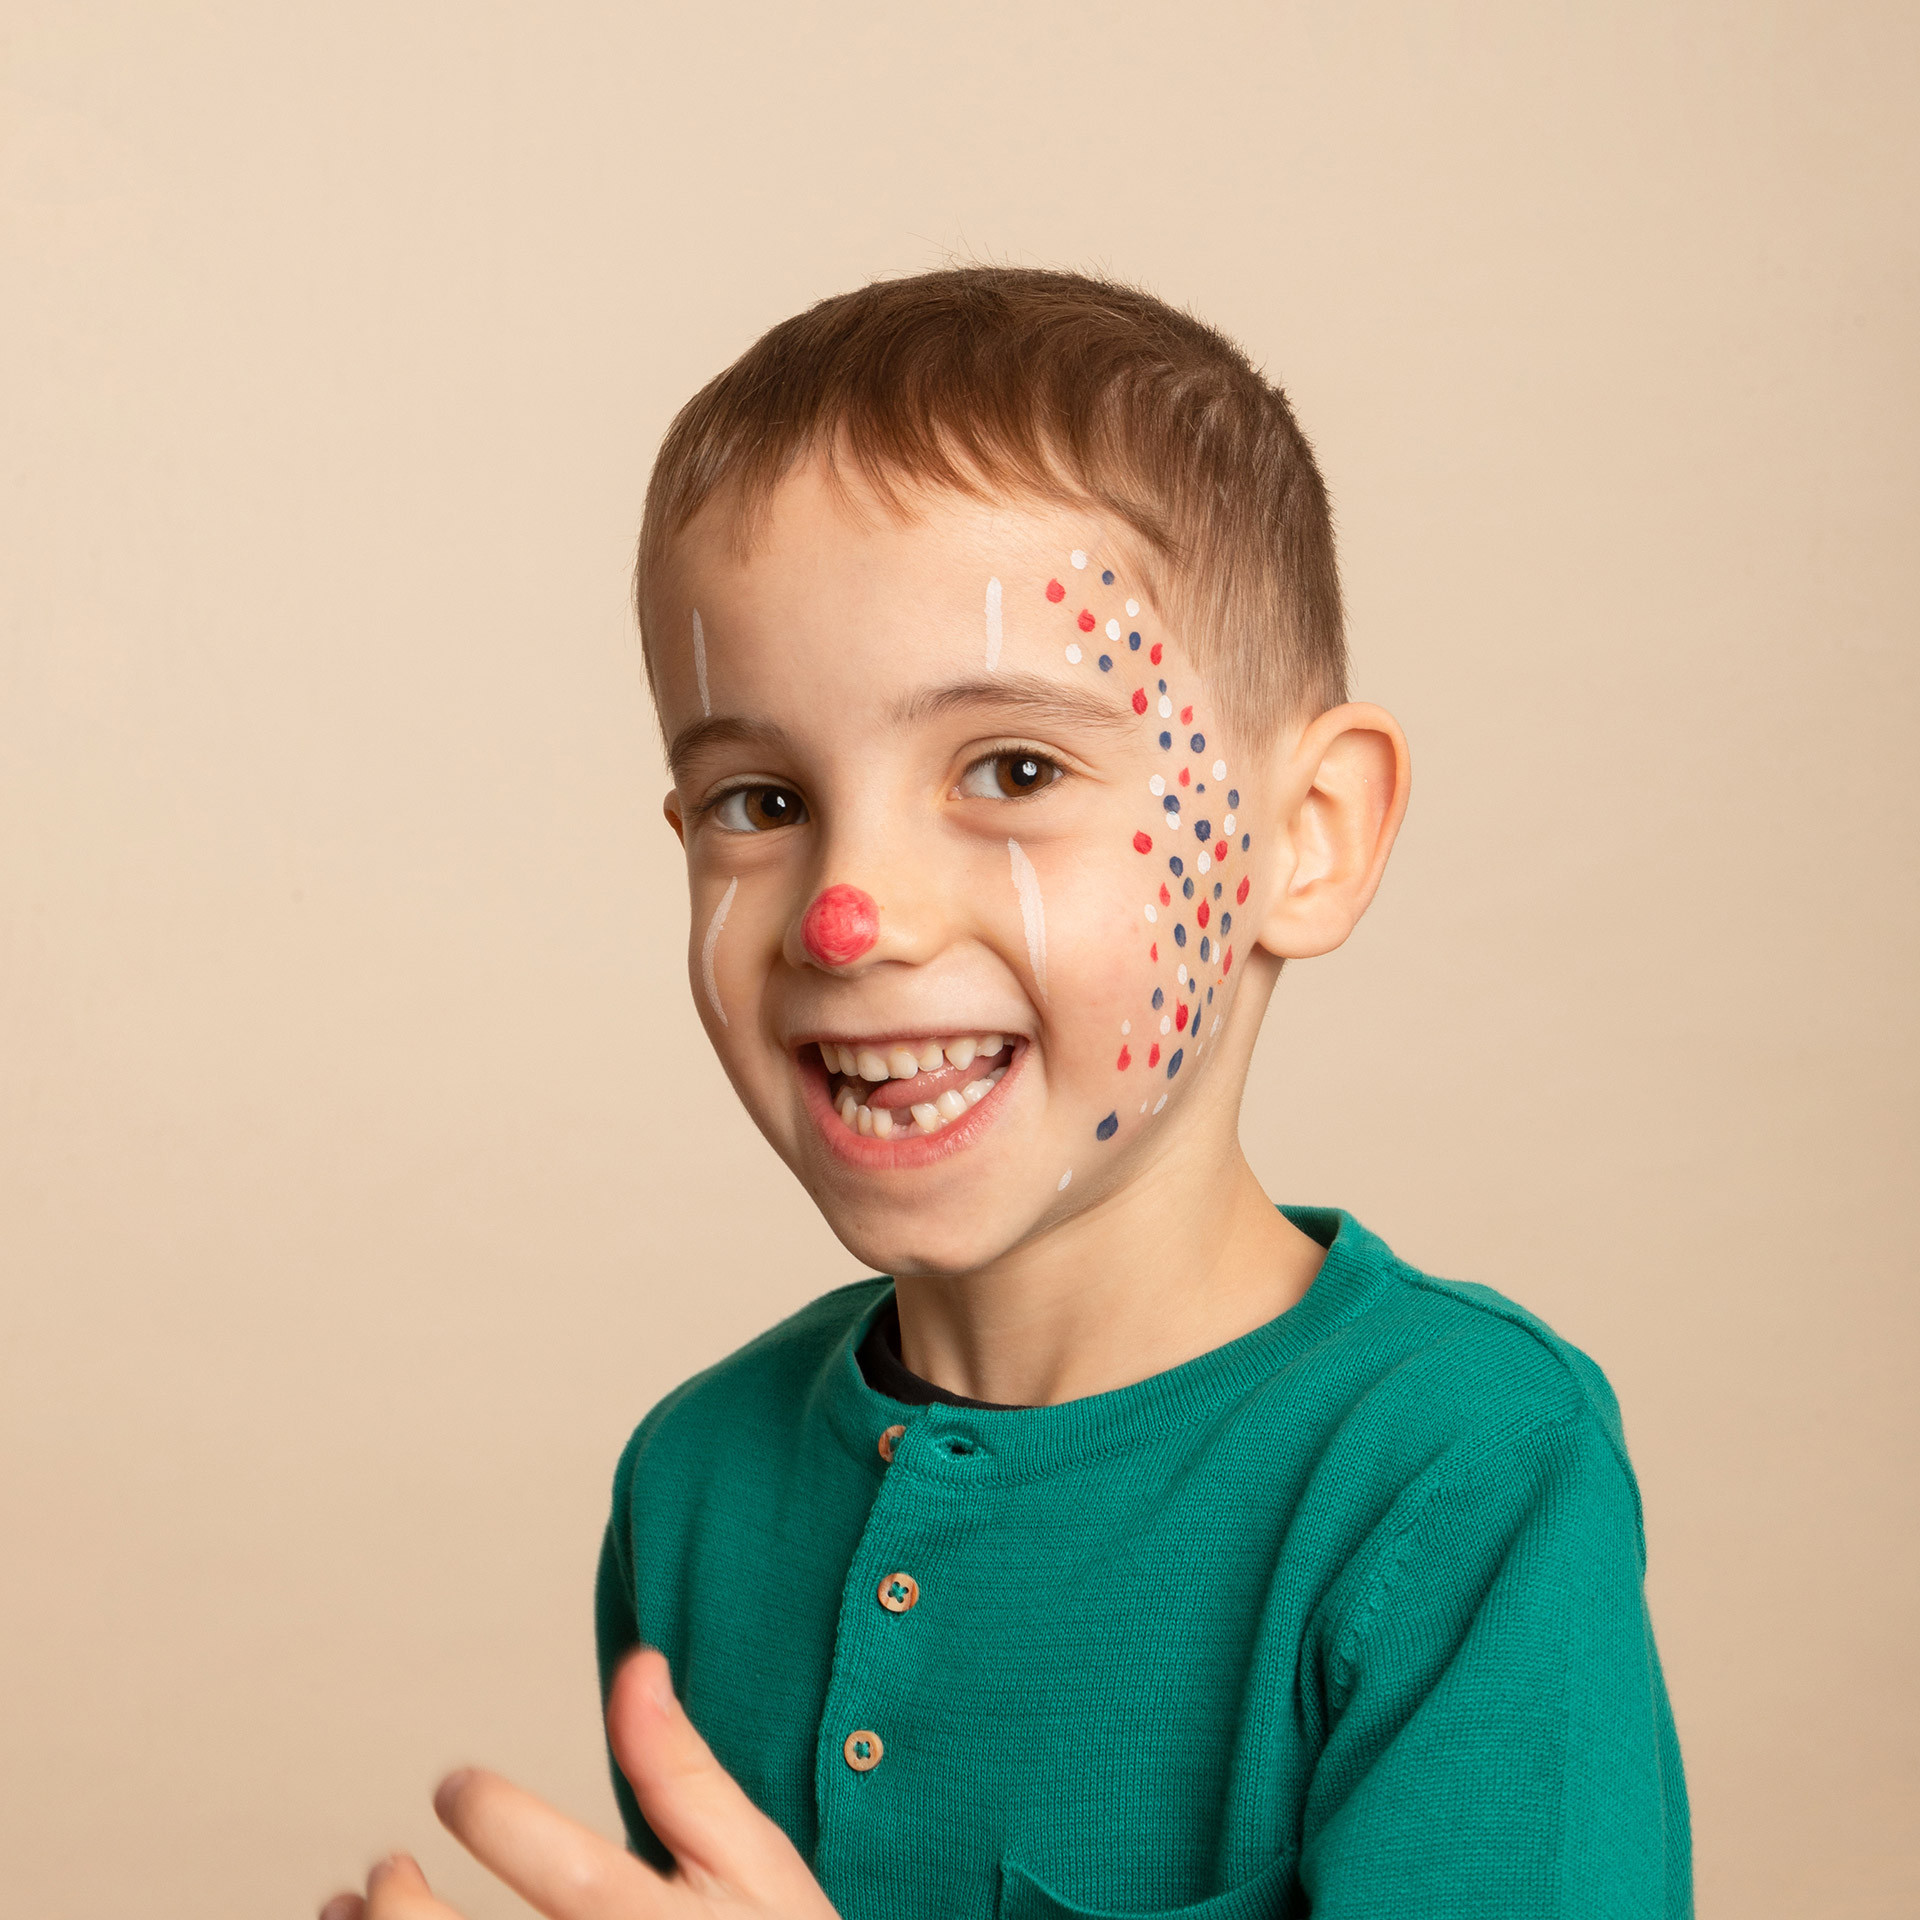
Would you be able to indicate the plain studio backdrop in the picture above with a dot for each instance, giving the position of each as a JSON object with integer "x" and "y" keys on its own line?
{"x": 364, "y": 1173}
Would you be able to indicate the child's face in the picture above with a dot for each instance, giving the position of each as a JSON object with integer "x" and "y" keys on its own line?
{"x": 967, "y": 843}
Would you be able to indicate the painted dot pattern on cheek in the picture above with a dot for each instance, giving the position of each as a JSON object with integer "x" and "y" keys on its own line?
{"x": 1212, "y": 844}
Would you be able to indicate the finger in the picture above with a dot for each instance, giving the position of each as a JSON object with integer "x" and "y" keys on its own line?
{"x": 344, "y": 1906}
{"x": 693, "y": 1804}
{"x": 398, "y": 1890}
{"x": 564, "y": 1869}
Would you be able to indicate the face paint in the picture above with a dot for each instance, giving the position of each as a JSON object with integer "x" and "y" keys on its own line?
{"x": 1033, "y": 913}
{"x": 711, "y": 943}
{"x": 993, "y": 625}
{"x": 700, "y": 664}
{"x": 840, "y": 926}
{"x": 1214, "y": 838}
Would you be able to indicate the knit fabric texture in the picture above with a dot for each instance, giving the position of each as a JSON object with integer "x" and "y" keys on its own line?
{"x": 1344, "y": 1618}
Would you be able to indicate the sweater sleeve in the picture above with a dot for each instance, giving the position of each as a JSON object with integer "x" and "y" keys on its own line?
{"x": 1498, "y": 1740}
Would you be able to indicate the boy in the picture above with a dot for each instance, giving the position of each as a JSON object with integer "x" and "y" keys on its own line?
{"x": 1136, "y": 1548}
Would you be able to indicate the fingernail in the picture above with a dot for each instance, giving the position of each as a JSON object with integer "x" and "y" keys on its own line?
{"x": 660, "y": 1686}
{"x": 449, "y": 1790}
{"x": 340, "y": 1907}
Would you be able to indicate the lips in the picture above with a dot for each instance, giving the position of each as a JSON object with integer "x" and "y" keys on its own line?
{"x": 905, "y": 1102}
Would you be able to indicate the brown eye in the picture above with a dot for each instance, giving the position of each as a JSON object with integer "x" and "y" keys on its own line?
{"x": 759, "y": 809}
{"x": 1009, "y": 776}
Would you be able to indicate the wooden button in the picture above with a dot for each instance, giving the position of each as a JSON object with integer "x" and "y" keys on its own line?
{"x": 899, "y": 1591}
{"x": 886, "y": 1442}
{"x": 863, "y": 1750}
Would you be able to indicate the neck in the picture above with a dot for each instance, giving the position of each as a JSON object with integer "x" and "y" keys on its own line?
{"x": 1124, "y": 1288}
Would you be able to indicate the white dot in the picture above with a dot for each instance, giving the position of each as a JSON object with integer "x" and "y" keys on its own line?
{"x": 1079, "y": 559}
{"x": 1113, "y": 629}
{"x": 1126, "y": 1026}
{"x": 1153, "y": 912}
{"x": 1156, "y": 786}
{"x": 1226, "y": 826}
{"x": 1166, "y": 1023}
{"x": 1166, "y": 706}
{"x": 1133, "y": 607}
{"x": 1161, "y": 1102}
{"x": 1216, "y": 1024}
{"x": 1143, "y": 1106}
{"x": 1219, "y": 769}
{"x": 1205, "y": 861}
{"x": 1073, "y": 654}
{"x": 1182, "y": 975}
{"x": 1068, "y": 1175}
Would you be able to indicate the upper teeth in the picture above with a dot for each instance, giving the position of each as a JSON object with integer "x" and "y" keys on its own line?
{"x": 901, "y": 1061}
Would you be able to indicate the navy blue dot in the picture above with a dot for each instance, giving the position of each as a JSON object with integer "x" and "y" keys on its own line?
{"x": 1186, "y": 887}
{"x": 1159, "y": 999}
{"x": 1206, "y": 949}
{"x": 1166, "y": 739}
{"x": 1199, "y": 786}
{"x": 1233, "y": 796}
{"x": 1226, "y": 925}
{"x": 1106, "y": 580}
{"x": 1171, "y": 803}
{"x": 1216, "y": 889}
{"x": 1176, "y": 865}
{"x": 1173, "y": 1065}
{"x": 1111, "y": 1124}
{"x": 1106, "y": 663}
{"x": 1133, "y": 641}
{"x": 1163, "y": 686}
{"x": 1209, "y": 996}
{"x": 1246, "y": 840}
{"x": 1179, "y": 934}
{"x": 1203, "y": 831}
{"x": 1198, "y": 743}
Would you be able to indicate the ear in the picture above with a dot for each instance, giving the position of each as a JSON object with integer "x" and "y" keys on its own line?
{"x": 1344, "y": 790}
{"x": 670, "y": 806}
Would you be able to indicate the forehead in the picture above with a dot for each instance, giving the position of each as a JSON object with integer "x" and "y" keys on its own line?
{"x": 838, "y": 596}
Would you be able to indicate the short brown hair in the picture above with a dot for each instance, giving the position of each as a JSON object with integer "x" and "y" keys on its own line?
{"x": 1010, "y": 382}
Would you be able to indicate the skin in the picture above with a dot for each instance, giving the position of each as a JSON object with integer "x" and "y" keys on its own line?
{"x": 854, "y": 720}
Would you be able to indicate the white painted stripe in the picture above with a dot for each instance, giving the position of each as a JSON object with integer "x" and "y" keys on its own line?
{"x": 993, "y": 624}
{"x": 700, "y": 675}
{"x": 1033, "y": 913}
{"x": 710, "y": 944}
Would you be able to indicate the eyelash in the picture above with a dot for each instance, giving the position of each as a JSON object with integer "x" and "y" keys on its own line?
{"x": 1058, "y": 772}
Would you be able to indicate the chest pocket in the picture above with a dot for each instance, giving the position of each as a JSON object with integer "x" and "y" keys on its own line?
{"x": 1269, "y": 1895}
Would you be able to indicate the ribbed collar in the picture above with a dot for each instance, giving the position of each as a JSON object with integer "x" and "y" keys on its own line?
{"x": 1023, "y": 1443}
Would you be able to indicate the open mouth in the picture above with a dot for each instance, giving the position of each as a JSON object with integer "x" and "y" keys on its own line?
{"x": 910, "y": 1089}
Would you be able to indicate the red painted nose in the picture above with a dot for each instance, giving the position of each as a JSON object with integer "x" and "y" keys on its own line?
{"x": 840, "y": 926}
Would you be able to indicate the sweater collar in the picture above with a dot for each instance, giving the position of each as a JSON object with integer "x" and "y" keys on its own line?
{"x": 1019, "y": 1443}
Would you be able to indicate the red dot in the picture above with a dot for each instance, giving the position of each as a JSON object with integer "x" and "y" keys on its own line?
{"x": 1226, "y": 965}
{"x": 1153, "y": 1055}
{"x": 1166, "y": 899}
{"x": 1154, "y": 656}
{"x": 1153, "y": 952}
{"x": 842, "y": 923}
{"x": 1143, "y": 843}
{"x": 1240, "y": 893}
{"x": 1086, "y": 621}
{"x": 1186, "y": 776}
{"x": 1125, "y": 1060}
{"x": 1186, "y": 716}
{"x": 1205, "y": 913}
{"x": 1180, "y": 1018}
{"x": 1220, "y": 853}
{"x": 1055, "y": 591}
{"x": 1139, "y": 699}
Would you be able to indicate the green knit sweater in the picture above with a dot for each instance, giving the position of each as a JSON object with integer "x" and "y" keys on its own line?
{"x": 1343, "y": 1618}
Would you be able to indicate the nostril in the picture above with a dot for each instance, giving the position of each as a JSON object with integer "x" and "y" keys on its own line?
{"x": 840, "y": 925}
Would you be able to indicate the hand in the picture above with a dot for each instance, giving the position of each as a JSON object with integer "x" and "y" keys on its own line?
{"x": 730, "y": 1857}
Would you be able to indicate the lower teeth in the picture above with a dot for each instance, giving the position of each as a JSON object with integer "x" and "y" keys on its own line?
{"x": 928, "y": 1115}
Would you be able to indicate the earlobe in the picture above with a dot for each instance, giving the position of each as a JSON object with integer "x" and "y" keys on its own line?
{"x": 670, "y": 806}
{"x": 1347, "y": 783}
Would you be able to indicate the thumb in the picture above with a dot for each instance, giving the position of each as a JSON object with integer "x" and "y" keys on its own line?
{"x": 694, "y": 1806}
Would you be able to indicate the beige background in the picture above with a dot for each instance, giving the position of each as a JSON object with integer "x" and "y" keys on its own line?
{"x": 363, "y": 1173}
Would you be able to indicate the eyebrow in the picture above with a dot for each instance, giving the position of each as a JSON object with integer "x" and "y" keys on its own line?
{"x": 726, "y": 730}
{"x": 1037, "y": 698}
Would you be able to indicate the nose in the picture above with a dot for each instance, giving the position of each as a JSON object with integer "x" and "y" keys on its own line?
{"x": 842, "y": 923}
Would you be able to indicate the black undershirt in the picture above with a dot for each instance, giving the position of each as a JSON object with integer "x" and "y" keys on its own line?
{"x": 885, "y": 1372}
